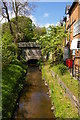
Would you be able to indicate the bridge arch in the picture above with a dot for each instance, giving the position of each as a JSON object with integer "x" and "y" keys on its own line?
{"x": 30, "y": 50}
{"x": 32, "y": 61}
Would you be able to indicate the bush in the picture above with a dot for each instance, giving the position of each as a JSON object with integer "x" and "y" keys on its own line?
{"x": 21, "y": 63}
{"x": 62, "y": 68}
{"x": 40, "y": 63}
{"x": 12, "y": 83}
{"x": 8, "y": 49}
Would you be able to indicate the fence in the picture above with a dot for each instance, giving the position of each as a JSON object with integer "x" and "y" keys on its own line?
{"x": 77, "y": 71}
{"x": 73, "y": 68}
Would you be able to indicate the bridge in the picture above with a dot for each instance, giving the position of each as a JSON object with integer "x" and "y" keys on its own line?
{"x": 30, "y": 50}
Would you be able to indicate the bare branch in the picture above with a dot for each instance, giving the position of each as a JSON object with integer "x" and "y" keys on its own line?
{"x": 4, "y": 16}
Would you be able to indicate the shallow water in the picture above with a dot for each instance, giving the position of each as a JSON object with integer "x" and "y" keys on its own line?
{"x": 34, "y": 102}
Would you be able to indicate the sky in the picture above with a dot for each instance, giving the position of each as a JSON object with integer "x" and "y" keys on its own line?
{"x": 48, "y": 13}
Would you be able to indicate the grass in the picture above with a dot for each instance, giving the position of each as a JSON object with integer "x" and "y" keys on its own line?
{"x": 67, "y": 79}
{"x": 63, "y": 106}
{"x": 12, "y": 83}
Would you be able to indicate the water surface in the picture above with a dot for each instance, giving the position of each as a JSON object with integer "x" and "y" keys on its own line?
{"x": 34, "y": 102}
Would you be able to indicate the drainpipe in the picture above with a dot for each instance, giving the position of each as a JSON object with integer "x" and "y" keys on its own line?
{"x": 69, "y": 36}
{"x": 73, "y": 66}
{"x": 65, "y": 32}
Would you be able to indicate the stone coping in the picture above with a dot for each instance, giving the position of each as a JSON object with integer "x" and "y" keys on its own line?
{"x": 67, "y": 91}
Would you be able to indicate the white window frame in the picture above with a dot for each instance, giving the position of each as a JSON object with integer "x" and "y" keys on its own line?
{"x": 74, "y": 44}
{"x": 76, "y": 28}
{"x": 67, "y": 17}
{"x": 73, "y": 52}
{"x": 77, "y": 45}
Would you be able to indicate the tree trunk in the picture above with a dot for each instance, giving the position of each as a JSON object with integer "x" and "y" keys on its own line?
{"x": 16, "y": 19}
{"x": 10, "y": 26}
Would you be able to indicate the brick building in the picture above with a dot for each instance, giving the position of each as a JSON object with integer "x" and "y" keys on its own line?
{"x": 72, "y": 25}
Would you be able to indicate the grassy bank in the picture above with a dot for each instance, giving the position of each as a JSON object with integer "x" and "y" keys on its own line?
{"x": 67, "y": 79}
{"x": 63, "y": 106}
{"x": 12, "y": 83}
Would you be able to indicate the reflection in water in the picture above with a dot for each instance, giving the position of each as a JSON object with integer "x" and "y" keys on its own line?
{"x": 34, "y": 102}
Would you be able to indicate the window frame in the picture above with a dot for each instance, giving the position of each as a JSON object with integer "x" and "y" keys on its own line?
{"x": 76, "y": 28}
{"x": 73, "y": 52}
{"x": 78, "y": 44}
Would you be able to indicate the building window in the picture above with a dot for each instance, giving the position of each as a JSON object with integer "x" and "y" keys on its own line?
{"x": 78, "y": 45}
{"x": 73, "y": 52}
{"x": 67, "y": 17}
{"x": 76, "y": 28}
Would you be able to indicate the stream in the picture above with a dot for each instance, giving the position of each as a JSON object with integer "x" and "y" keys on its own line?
{"x": 34, "y": 102}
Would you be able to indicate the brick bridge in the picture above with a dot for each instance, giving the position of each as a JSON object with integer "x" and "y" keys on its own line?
{"x": 30, "y": 50}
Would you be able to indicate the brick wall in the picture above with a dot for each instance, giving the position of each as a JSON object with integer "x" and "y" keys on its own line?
{"x": 74, "y": 16}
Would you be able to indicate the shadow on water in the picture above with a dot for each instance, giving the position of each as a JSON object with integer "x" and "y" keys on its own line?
{"x": 34, "y": 102}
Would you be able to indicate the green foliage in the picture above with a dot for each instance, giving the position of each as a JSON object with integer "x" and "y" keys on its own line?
{"x": 13, "y": 70}
{"x": 8, "y": 49}
{"x": 7, "y": 38}
{"x": 63, "y": 107}
{"x": 40, "y": 63}
{"x": 25, "y": 28}
{"x": 67, "y": 79}
{"x": 12, "y": 84}
{"x": 39, "y": 31}
{"x": 21, "y": 63}
{"x": 62, "y": 68}
{"x": 52, "y": 42}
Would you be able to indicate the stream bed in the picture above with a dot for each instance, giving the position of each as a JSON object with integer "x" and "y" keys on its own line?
{"x": 34, "y": 102}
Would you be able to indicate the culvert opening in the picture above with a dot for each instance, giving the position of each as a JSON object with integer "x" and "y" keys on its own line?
{"x": 32, "y": 62}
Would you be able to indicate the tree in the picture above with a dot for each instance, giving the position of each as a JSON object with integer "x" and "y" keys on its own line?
{"x": 8, "y": 49}
{"x": 18, "y": 8}
{"x": 25, "y": 28}
{"x": 39, "y": 31}
{"x": 5, "y": 14}
{"x": 52, "y": 42}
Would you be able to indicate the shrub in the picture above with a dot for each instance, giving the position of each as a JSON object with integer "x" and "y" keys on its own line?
{"x": 21, "y": 63}
{"x": 62, "y": 68}
{"x": 8, "y": 49}
{"x": 40, "y": 63}
{"x": 12, "y": 83}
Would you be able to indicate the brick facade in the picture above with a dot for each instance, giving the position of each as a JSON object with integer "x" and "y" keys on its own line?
{"x": 73, "y": 16}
